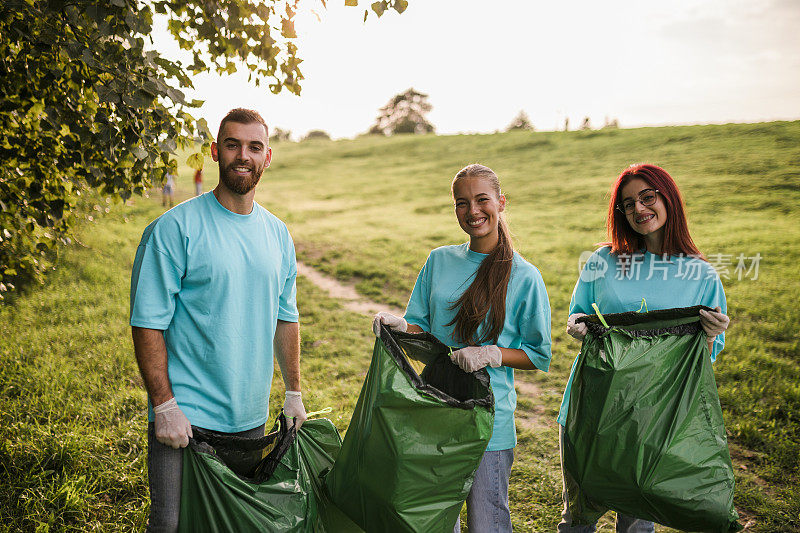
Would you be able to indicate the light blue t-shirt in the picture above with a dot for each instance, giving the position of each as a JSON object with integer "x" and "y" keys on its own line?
{"x": 618, "y": 283}
{"x": 447, "y": 273}
{"x": 217, "y": 283}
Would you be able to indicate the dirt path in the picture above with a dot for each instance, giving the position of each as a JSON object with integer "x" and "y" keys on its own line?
{"x": 530, "y": 418}
{"x": 346, "y": 292}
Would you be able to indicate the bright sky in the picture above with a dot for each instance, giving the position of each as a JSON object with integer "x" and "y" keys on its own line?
{"x": 481, "y": 62}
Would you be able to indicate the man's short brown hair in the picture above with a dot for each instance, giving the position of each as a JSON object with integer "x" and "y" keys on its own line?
{"x": 243, "y": 116}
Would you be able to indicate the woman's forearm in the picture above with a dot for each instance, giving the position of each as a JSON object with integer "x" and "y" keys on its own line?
{"x": 516, "y": 358}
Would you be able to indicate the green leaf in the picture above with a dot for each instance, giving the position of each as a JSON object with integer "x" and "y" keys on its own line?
{"x": 139, "y": 152}
{"x": 168, "y": 145}
{"x": 195, "y": 161}
{"x": 400, "y": 5}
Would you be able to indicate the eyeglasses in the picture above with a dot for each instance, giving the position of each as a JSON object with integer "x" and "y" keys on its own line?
{"x": 647, "y": 197}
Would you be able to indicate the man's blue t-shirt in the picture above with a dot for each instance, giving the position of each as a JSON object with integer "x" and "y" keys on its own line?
{"x": 617, "y": 284}
{"x": 447, "y": 273}
{"x": 217, "y": 283}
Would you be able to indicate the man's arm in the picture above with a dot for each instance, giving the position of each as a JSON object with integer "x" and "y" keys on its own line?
{"x": 171, "y": 425}
{"x": 287, "y": 352}
{"x": 151, "y": 356}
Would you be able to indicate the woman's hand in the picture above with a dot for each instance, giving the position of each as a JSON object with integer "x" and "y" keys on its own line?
{"x": 714, "y": 322}
{"x": 474, "y": 358}
{"x": 578, "y": 331}
{"x": 389, "y": 320}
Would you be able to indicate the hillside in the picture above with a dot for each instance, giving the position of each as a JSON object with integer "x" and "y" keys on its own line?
{"x": 368, "y": 211}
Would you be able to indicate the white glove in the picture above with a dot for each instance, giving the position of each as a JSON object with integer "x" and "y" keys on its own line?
{"x": 474, "y": 358}
{"x": 172, "y": 426}
{"x": 293, "y": 408}
{"x": 389, "y": 320}
{"x": 578, "y": 331}
{"x": 714, "y": 322}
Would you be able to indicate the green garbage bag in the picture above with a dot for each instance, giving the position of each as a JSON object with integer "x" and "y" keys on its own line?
{"x": 265, "y": 484}
{"x": 644, "y": 433}
{"x": 319, "y": 444}
{"x": 417, "y": 435}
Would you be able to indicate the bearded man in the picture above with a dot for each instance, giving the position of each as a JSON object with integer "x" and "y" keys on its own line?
{"x": 212, "y": 301}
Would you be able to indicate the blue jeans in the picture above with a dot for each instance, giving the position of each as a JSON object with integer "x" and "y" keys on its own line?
{"x": 164, "y": 473}
{"x": 625, "y": 523}
{"x": 487, "y": 502}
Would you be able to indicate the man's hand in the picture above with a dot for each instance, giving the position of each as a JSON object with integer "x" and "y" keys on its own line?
{"x": 576, "y": 330}
{"x": 389, "y": 320}
{"x": 172, "y": 426}
{"x": 293, "y": 408}
{"x": 474, "y": 358}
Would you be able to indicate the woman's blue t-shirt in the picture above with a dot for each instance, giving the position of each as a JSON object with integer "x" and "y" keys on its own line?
{"x": 617, "y": 284}
{"x": 447, "y": 273}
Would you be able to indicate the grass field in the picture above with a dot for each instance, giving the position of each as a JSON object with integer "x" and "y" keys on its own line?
{"x": 72, "y": 410}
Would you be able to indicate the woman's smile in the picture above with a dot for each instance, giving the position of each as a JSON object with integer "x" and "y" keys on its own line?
{"x": 476, "y": 222}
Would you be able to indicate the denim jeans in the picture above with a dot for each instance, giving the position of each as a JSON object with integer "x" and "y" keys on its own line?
{"x": 164, "y": 473}
{"x": 487, "y": 502}
{"x": 625, "y": 523}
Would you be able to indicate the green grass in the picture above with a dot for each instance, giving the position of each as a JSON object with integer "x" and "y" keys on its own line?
{"x": 72, "y": 410}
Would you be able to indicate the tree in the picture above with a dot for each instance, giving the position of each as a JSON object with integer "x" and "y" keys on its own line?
{"x": 404, "y": 113}
{"x": 280, "y": 134}
{"x": 317, "y": 134}
{"x": 520, "y": 122}
{"x": 86, "y": 108}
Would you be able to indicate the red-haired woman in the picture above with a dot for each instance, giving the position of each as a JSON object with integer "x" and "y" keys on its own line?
{"x": 484, "y": 297}
{"x": 651, "y": 255}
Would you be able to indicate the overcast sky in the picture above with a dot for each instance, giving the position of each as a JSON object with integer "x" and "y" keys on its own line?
{"x": 481, "y": 62}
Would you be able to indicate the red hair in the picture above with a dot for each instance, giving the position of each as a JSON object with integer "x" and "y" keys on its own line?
{"x": 676, "y": 229}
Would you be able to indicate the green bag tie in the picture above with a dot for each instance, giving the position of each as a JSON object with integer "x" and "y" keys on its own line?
{"x": 320, "y": 412}
{"x": 599, "y": 315}
{"x": 644, "y": 305}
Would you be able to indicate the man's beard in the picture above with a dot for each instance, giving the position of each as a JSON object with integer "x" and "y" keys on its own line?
{"x": 240, "y": 184}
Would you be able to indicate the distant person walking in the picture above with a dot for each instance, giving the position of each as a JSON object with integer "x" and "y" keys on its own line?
{"x": 168, "y": 191}
{"x": 198, "y": 182}
{"x": 212, "y": 300}
{"x": 652, "y": 256}
{"x": 486, "y": 298}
